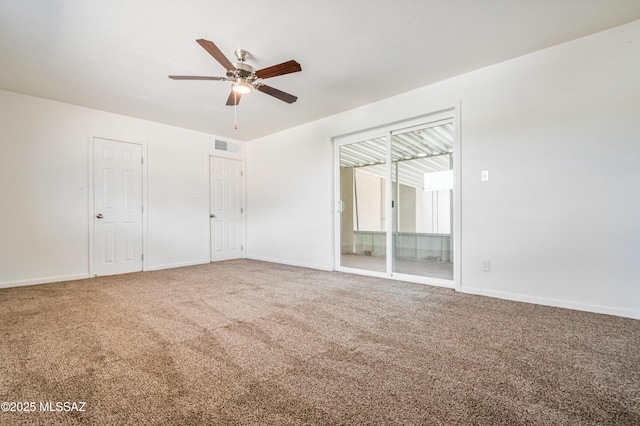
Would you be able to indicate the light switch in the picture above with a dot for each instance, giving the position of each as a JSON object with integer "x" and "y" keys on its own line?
{"x": 484, "y": 176}
{"x": 486, "y": 266}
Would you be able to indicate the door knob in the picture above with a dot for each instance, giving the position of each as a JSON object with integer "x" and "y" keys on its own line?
{"x": 99, "y": 216}
{"x": 212, "y": 215}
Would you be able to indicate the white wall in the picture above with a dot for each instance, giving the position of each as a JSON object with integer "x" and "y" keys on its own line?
{"x": 289, "y": 193}
{"x": 559, "y": 131}
{"x": 44, "y": 219}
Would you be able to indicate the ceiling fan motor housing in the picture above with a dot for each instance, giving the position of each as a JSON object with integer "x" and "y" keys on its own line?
{"x": 244, "y": 70}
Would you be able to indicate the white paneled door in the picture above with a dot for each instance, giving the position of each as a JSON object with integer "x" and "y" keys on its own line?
{"x": 225, "y": 208}
{"x": 117, "y": 195}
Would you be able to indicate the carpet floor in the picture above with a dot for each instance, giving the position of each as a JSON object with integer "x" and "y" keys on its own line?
{"x": 252, "y": 343}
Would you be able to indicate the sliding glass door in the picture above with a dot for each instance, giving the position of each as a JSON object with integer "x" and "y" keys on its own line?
{"x": 422, "y": 173}
{"x": 396, "y": 201}
{"x": 363, "y": 197}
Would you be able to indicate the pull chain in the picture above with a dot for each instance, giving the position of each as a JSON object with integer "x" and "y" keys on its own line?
{"x": 235, "y": 110}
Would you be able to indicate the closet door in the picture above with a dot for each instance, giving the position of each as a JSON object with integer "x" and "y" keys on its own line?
{"x": 117, "y": 189}
{"x": 225, "y": 208}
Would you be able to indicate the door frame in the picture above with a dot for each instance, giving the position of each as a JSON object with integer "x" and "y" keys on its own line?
{"x": 452, "y": 113}
{"x": 243, "y": 196}
{"x": 90, "y": 198}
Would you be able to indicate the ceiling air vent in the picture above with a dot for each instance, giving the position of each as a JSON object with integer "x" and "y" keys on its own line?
{"x": 226, "y": 146}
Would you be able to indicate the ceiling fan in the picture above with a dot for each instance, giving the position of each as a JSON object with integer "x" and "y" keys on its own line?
{"x": 244, "y": 77}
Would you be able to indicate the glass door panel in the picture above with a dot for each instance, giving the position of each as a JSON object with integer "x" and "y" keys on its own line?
{"x": 422, "y": 182}
{"x": 363, "y": 205}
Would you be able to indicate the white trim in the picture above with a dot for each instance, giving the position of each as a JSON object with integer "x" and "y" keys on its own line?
{"x": 361, "y": 136}
{"x": 176, "y": 265}
{"x": 457, "y": 196}
{"x": 381, "y": 130}
{"x": 45, "y": 280}
{"x": 90, "y": 199}
{"x": 91, "y": 204}
{"x": 514, "y": 297}
{"x": 290, "y": 263}
{"x": 365, "y": 272}
{"x": 435, "y": 282}
{"x": 414, "y": 125}
{"x": 228, "y": 155}
{"x": 390, "y": 219}
{"x": 337, "y": 205}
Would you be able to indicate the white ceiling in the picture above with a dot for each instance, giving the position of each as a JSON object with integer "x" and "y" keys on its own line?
{"x": 115, "y": 55}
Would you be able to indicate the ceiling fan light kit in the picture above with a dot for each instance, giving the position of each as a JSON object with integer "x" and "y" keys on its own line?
{"x": 243, "y": 77}
{"x": 241, "y": 87}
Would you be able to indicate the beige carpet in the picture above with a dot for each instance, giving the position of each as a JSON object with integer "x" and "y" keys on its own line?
{"x": 254, "y": 343}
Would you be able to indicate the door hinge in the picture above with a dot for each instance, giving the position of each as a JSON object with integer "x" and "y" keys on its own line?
{"x": 241, "y": 248}
{"x": 141, "y": 160}
{"x": 142, "y": 257}
{"x": 241, "y": 173}
{"x": 142, "y": 209}
{"x": 241, "y": 210}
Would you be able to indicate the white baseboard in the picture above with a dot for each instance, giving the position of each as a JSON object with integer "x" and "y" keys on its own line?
{"x": 175, "y": 265}
{"x": 48, "y": 280}
{"x": 43, "y": 280}
{"x": 598, "y": 309}
{"x": 290, "y": 263}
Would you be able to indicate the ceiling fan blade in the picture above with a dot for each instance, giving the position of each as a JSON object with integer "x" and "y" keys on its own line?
{"x": 283, "y": 96}
{"x": 280, "y": 69}
{"x": 234, "y": 98}
{"x": 213, "y": 50}
{"x": 194, "y": 77}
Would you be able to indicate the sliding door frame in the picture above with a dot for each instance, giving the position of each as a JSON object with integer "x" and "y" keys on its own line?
{"x": 447, "y": 115}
